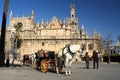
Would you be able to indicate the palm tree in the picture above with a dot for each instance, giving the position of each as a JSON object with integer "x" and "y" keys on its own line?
{"x": 3, "y": 30}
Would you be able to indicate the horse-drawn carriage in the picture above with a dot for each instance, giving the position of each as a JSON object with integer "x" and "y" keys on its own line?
{"x": 45, "y": 60}
{"x": 49, "y": 60}
{"x": 42, "y": 60}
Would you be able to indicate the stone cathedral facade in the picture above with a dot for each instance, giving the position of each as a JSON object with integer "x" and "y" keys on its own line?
{"x": 50, "y": 35}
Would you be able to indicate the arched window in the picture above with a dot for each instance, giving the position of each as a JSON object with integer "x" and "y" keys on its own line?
{"x": 90, "y": 46}
{"x": 73, "y": 23}
{"x": 43, "y": 43}
{"x": 84, "y": 46}
{"x": 72, "y": 15}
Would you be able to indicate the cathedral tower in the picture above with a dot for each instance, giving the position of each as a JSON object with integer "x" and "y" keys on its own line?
{"x": 72, "y": 22}
{"x": 72, "y": 11}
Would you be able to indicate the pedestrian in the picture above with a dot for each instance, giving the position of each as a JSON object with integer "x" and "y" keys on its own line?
{"x": 95, "y": 60}
{"x": 87, "y": 58}
{"x": 7, "y": 62}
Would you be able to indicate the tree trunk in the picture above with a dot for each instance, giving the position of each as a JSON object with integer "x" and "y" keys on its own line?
{"x": 109, "y": 60}
{"x": 3, "y": 29}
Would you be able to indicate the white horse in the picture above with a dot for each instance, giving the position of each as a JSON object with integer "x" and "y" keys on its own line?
{"x": 68, "y": 53}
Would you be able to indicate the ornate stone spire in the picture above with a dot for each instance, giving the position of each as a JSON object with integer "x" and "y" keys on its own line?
{"x": 42, "y": 21}
{"x": 82, "y": 27}
{"x": 72, "y": 11}
{"x": 32, "y": 15}
{"x": 10, "y": 14}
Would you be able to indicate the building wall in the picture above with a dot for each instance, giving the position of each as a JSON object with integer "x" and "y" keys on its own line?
{"x": 52, "y": 35}
{"x": 32, "y": 46}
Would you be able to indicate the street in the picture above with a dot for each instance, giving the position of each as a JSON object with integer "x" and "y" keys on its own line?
{"x": 105, "y": 72}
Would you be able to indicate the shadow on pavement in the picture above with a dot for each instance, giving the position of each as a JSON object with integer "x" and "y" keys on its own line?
{"x": 16, "y": 65}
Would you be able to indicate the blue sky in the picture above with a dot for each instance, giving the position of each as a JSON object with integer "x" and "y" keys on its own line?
{"x": 100, "y": 15}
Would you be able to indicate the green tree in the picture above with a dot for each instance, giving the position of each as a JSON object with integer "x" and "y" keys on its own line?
{"x": 107, "y": 43}
{"x": 18, "y": 40}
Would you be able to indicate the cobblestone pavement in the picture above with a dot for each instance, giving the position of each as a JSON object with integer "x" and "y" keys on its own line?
{"x": 105, "y": 72}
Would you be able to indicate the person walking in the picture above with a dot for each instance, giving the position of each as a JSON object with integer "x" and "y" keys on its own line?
{"x": 8, "y": 62}
{"x": 87, "y": 58}
{"x": 95, "y": 60}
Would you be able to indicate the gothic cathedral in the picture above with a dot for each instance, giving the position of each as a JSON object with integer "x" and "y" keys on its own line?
{"x": 50, "y": 35}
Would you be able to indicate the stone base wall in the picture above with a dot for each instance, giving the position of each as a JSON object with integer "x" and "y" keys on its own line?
{"x": 32, "y": 46}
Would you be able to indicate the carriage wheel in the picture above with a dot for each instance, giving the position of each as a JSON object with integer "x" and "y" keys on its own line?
{"x": 44, "y": 66}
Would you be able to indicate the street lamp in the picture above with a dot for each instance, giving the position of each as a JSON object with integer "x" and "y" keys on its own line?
{"x": 12, "y": 39}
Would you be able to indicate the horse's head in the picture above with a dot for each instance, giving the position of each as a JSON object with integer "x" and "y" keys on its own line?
{"x": 81, "y": 50}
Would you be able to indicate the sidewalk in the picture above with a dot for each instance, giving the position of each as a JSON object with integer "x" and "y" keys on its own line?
{"x": 79, "y": 72}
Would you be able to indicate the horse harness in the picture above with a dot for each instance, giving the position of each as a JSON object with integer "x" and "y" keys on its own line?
{"x": 68, "y": 50}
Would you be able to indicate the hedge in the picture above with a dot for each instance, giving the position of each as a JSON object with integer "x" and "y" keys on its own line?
{"x": 113, "y": 57}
